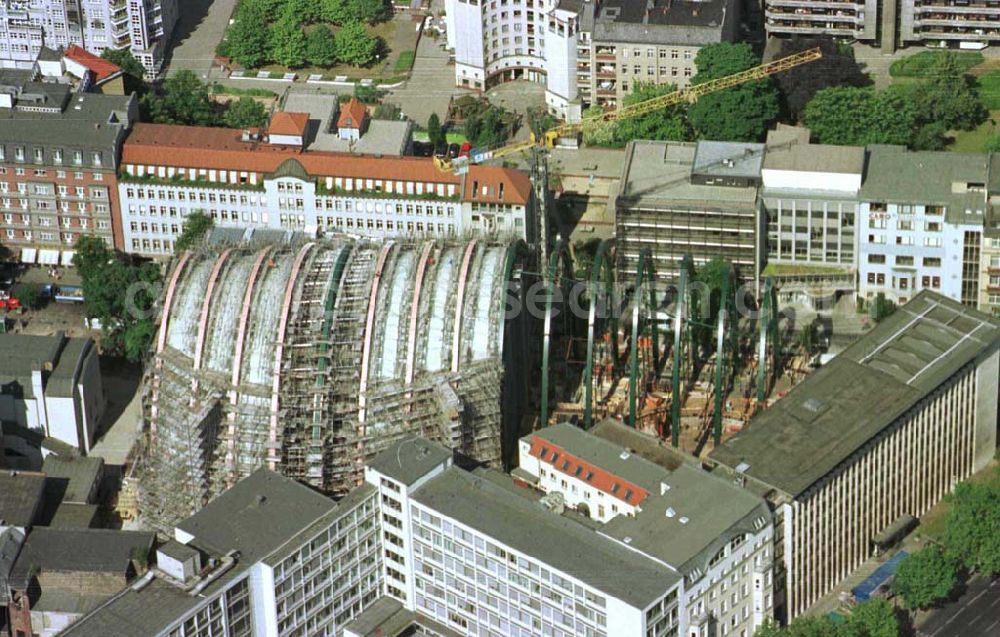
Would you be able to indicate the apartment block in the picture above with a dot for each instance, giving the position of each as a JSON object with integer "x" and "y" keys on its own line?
{"x": 923, "y": 215}
{"x": 248, "y": 179}
{"x": 944, "y": 22}
{"x": 143, "y": 28}
{"x": 678, "y": 198}
{"x": 267, "y": 557}
{"x": 855, "y": 20}
{"x": 585, "y": 53}
{"x": 713, "y": 533}
{"x": 878, "y": 435}
{"x": 58, "y": 161}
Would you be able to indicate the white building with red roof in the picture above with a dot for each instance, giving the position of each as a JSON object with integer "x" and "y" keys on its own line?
{"x": 267, "y": 179}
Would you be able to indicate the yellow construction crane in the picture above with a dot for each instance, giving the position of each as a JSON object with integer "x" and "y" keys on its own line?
{"x": 689, "y": 95}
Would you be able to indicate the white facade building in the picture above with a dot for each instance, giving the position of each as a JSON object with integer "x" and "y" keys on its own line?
{"x": 584, "y": 53}
{"x": 169, "y": 172}
{"x": 144, "y": 27}
{"x": 710, "y": 531}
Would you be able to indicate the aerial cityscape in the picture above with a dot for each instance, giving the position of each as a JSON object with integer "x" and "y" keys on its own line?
{"x": 490, "y": 318}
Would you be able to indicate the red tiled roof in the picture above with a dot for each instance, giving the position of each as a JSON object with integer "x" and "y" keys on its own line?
{"x": 602, "y": 480}
{"x": 101, "y": 68}
{"x": 352, "y": 115}
{"x": 223, "y": 149}
{"x": 288, "y": 124}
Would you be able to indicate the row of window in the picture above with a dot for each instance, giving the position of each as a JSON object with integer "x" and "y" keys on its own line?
{"x": 904, "y": 260}
{"x": 20, "y": 154}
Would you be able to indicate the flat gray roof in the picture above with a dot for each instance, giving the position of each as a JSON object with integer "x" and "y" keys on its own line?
{"x": 22, "y": 354}
{"x": 409, "y": 459}
{"x": 728, "y": 159}
{"x": 89, "y": 121}
{"x": 80, "y": 550}
{"x": 20, "y": 497}
{"x": 659, "y": 174}
{"x": 71, "y": 358}
{"x": 788, "y": 148}
{"x": 664, "y": 22}
{"x": 835, "y": 411}
{"x": 383, "y": 137}
{"x": 73, "y": 475}
{"x": 898, "y": 175}
{"x": 547, "y": 537}
{"x": 648, "y": 446}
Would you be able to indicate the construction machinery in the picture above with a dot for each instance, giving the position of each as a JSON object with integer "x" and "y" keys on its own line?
{"x": 551, "y": 137}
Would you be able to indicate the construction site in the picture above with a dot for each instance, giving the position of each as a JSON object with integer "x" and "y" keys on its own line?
{"x": 309, "y": 357}
{"x": 704, "y": 362}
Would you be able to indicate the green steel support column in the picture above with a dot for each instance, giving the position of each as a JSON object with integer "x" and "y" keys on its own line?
{"x": 722, "y": 323}
{"x": 680, "y": 316}
{"x": 643, "y": 274}
{"x": 767, "y": 333}
{"x": 518, "y": 252}
{"x": 550, "y": 283}
{"x": 601, "y": 264}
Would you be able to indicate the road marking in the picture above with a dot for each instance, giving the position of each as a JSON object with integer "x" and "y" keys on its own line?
{"x": 989, "y": 629}
{"x": 995, "y": 603}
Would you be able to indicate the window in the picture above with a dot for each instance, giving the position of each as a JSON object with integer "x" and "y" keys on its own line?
{"x": 876, "y": 258}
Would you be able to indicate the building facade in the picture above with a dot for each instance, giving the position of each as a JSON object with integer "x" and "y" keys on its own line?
{"x": 922, "y": 215}
{"x": 143, "y": 28}
{"x": 52, "y": 384}
{"x": 583, "y": 53}
{"x": 244, "y": 181}
{"x": 881, "y": 433}
{"x": 58, "y": 161}
{"x": 943, "y": 22}
{"x": 857, "y": 20}
{"x": 678, "y": 199}
{"x": 301, "y": 565}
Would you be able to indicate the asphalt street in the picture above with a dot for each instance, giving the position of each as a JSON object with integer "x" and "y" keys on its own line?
{"x": 975, "y": 614}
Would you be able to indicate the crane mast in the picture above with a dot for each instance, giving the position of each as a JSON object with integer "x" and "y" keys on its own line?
{"x": 687, "y": 95}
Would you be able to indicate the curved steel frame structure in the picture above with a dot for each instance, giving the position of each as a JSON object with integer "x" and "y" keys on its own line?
{"x": 768, "y": 328}
{"x": 560, "y": 252}
{"x": 603, "y": 264}
{"x": 682, "y": 311}
{"x": 726, "y": 321}
{"x": 644, "y": 269}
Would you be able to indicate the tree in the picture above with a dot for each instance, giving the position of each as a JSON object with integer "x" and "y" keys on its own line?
{"x": 183, "y": 99}
{"x": 288, "y": 41}
{"x": 367, "y": 94}
{"x": 196, "y": 226}
{"x": 493, "y": 131}
{"x": 860, "y": 116}
{"x": 307, "y": 11}
{"x": 740, "y": 113}
{"x": 249, "y": 36}
{"x": 970, "y": 535}
{"x": 873, "y": 618}
{"x": 270, "y": 9}
{"x": 816, "y": 627}
{"x": 30, "y": 295}
{"x": 599, "y": 133}
{"x": 245, "y": 112}
{"x": 948, "y": 97}
{"x": 321, "y": 49}
{"x": 133, "y": 69}
{"x": 354, "y": 45}
{"x": 799, "y": 85}
{"x": 664, "y": 124}
{"x": 925, "y": 578}
{"x": 435, "y": 133}
{"x": 344, "y": 11}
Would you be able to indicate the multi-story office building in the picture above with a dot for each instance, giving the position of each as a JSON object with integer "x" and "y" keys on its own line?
{"x": 879, "y": 434}
{"x": 484, "y": 558}
{"x": 267, "y": 557}
{"x": 710, "y": 531}
{"x": 921, "y": 217}
{"x": 242, "y": 179}
{"x": 679, "y": 198}
{"x": 58, "y": 160}
{"x": 142, "y": 27}
{"x": 585, "y": 52}
{"x": 809, "y": 193}
{"x": 989, "y": 281}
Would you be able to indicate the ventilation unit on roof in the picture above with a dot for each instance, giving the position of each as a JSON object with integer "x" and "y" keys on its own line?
{"x": 664, "y": 487}
{"x": 627, "y": 539}
{"x": 670, "y": 512}
{"x": 624, "y": 455}
{"x": 742, "y": 467}
{"x": 684, "y": 520}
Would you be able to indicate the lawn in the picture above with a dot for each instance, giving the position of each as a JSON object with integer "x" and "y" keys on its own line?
{"x": 921, "y": 64}
{"x": 974, "y": 141}
{"x": 988, "y": 86}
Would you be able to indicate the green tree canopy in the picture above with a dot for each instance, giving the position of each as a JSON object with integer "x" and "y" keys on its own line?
{"x": 183, "y": 99}
{"x": 29, "y": 294}
{"x": 288, "y": 41}
{"x": 435, "y": 133}
{"x": 948, "y": 97}
{"x": 245, "y": 112}
{"x": 925, "y": 578}
{"x": 665, "y": 124}
{"x": 248, "y": 38}
{"x": 196, "y": 226}
{"x": 321, "y": 49}
{"x": 124, "y": 59}
{"x": 860, "y": 116}
{"x": 740, "y": 113}
{"x": 345, "y": 11}
{"x": 355, "y": 46}
{"x": 971, "y": 535}
{"x": 873, "y": 618}
{"x": 837, "y": 67}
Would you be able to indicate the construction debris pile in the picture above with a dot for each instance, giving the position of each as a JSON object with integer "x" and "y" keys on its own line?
{"x": 309, "y": 358}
